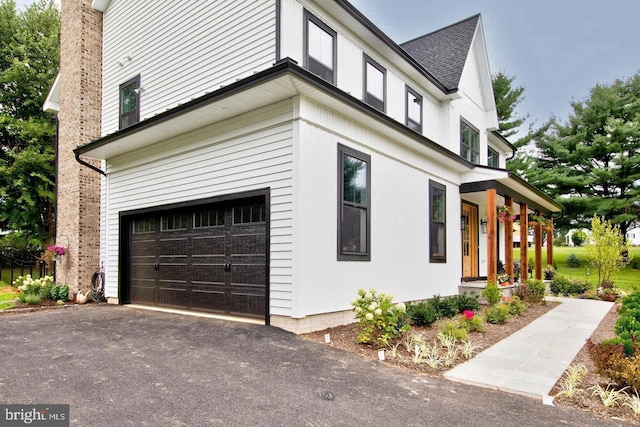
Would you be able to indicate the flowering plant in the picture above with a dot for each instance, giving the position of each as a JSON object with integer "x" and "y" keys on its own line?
{"x": 57, "y": 250}
{"x": 468, "y": 314}
{"x": 505, "y": 212}
{"x": 380, "y": 319}
{"x": 502, "y": 278}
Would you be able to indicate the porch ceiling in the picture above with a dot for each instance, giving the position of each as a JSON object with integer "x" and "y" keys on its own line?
{"x": 505, "y": 183}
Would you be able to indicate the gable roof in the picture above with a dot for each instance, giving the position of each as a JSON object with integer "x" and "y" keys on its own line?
{"x": 444, "y": 52}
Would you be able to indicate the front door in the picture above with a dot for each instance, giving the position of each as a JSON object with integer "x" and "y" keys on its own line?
{"x": 469, "y": 240}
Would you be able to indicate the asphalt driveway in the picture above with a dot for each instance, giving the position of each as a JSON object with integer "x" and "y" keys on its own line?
{"x": 118, "y": 366}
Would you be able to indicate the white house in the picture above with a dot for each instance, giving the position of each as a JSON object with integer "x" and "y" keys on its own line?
{"x": 267, "y": 158}
{"x": 633, "y": 236}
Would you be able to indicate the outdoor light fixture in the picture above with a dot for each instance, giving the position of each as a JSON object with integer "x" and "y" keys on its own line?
{"x": 483, "y": 226}
{"x": 463, "y": 223}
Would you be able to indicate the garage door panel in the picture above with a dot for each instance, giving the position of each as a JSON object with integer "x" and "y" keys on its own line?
{"x": 213, "y": 245}
{"x": 143, "y": 248}
{"x": 143, "y": 292}
{"x": 213, "y": 272}
{"x": 208, "y": 297}
{"x": 248, "y": 244}
{"x": 246, "y": 299}
{"x": 173, "y": 246}
{"x": 173, "y": 295}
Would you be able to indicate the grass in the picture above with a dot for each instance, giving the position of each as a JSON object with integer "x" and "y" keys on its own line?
{"x": 627, "y": 279}
{"x": 7, "y": 295}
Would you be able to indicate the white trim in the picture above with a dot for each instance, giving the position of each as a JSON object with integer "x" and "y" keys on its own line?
{"x": 52, "y": 102}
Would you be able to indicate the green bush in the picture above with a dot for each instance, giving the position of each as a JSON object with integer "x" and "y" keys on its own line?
{"x": 562, "y": 286}
{"x": 60, "y": 293}
{"x": 497, "y": 314}
{"x": 573, "y": 261}
{"x": 455, "y": 330}
{"x": 45, "y": 290}
{"x": 537, "y": 290}
{"x": 491, "y": 293}
{"x": 446, "y": 307}
{"x": 514, "y": 304}
{"x": 472, "y": 322}
{"x": 423, "y": 313}
{"x": 467, "y": 302}
{"x": 32, "y": 298}
{"x": 379, "y": 318}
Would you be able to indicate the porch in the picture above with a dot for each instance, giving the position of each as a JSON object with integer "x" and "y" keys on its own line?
{"x": 492, "y": 202}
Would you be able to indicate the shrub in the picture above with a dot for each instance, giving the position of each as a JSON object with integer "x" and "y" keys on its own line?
{"x": 573, "y": 261}
{"x": 611, "y": 361}
{"x": 578, "y": 237}
{"x": 492, "y": 293}
{"x": 455, "y": 330}
{"x": 472, "y": 322}
{"x": 549, "y": 272}
{"x": 537, "y": 290}
{"x": 32, "y": 298}
{"x": 422, "y": 313}
{"x": 497, "y": 314}
{"x": 514, "y": 305}
{"x": 60, "y": 293}
{"x": 45, "y": 290}
{"x": 446, "y": 307}
{"x": 562, "y": 286}
{"x": 467, "y": 302}
{"x": 380, "y": 319}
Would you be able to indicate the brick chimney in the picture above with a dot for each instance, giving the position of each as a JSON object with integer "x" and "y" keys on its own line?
{"x": 78, "y": 188}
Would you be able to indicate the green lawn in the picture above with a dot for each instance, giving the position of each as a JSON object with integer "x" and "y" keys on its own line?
{"x": 7, "y": 295}
{"x": 627, "y": 279}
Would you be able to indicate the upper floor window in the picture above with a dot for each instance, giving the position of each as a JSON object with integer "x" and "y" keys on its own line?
{"x": 414, "y": 110}
{"x": 130, "y": 102}
{"x": 437, "y": 222}
{"x": 469, "y": 142}
{"x": 375, "y": 82}
{"x": 354, "y": 214}
{"x": 493, "y": 158}
{"x": 320, "y": 48}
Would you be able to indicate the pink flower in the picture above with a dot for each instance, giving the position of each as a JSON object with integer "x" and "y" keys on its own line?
{"x": 468, "y": 314}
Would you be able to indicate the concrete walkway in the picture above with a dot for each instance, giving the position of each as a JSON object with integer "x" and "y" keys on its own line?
{"x": 532, "y": 360}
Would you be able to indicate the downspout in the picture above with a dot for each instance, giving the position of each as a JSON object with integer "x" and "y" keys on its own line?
{"x": 89, "y": 165}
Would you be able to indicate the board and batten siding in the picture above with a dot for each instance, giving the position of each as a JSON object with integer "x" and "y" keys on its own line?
{"x": 399, "y": 218}
{"x": 182, "y": 50}
{"x": 250, "y": 152}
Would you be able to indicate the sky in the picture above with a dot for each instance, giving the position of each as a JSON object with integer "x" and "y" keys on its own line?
{"x": 558, "y": 50}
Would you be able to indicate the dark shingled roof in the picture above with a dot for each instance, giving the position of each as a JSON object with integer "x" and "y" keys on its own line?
{"x": 444, "y": 52}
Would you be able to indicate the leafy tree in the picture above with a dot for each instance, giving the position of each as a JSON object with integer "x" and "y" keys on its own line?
{"x": 507, "y": 99}
{"x": 578, "y": 237}
{"x": 29, "y": 61}
{"x": 607, "y": 249}
{"x": 591, "y": 163}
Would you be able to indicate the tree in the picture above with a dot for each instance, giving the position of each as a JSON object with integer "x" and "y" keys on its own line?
{"x": 578, "y": 237}
{"x": 591, "y": 164}
{"x": 29, "y": 61}
{"x": 507, "y": 99}
{"x": 606, "y": 248}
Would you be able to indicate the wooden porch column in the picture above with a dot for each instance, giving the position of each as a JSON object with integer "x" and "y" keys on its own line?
{"x": 537, "y": 240}
{"x": 550, "y": 241}
{"x": 524, "y": 242}
{"x": 508, "y": 239}
{"x": 492, "y": 249}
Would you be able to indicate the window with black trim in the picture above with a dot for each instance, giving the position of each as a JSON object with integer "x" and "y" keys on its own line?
{"x": 414, "y": 110}
{"x": 354, "y": 214}
{"x": 173, "y": 222}
{"x": 469, "y": 142}
{"x": 208, "y": 218}
{"x": 493, "y": 158}
{"x": 437, "y": 222}
{"x": 130, "y": 102}
{"x": 319, "y": 48}
{"x": 375, "y": 83}
{"x": 146, "y": 225}
{"x": 249, "y": 214}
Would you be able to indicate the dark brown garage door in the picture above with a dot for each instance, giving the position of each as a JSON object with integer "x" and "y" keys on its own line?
{"x": 205, "y": 259}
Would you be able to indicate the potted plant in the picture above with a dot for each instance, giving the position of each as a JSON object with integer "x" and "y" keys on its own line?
{"x": 505, "y": 212}
{"x": 549, "y": 272}
{"x": 504, "y": 279}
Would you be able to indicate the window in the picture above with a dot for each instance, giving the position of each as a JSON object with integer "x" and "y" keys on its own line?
{"x": 320, "y": 48}
{"x": 437, "y": 222}
{"x": 130, "y": 102}
{"x": 375, "y": 81}
{"x": 493, "y": 158}
{"x": 249, "y": 213}
{"x": 147, "y": 225}
{"x": 469, "y": 142}
{"x": 414, "y": 110}
{"x": 173, "y": 222}
{"x": 210, "y": 218}
{"x": 354, "y": 195}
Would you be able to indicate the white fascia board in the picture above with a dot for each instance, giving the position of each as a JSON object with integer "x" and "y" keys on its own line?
{"x": 52, "y": 102}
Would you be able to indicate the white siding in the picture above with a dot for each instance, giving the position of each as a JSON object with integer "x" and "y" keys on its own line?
{"x": 399, "y": 219}
{"x": 250, "y": 152}
{"x": 182, "y": 49}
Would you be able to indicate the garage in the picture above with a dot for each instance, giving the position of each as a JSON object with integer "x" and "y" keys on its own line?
{"x": 206, "y": 257}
